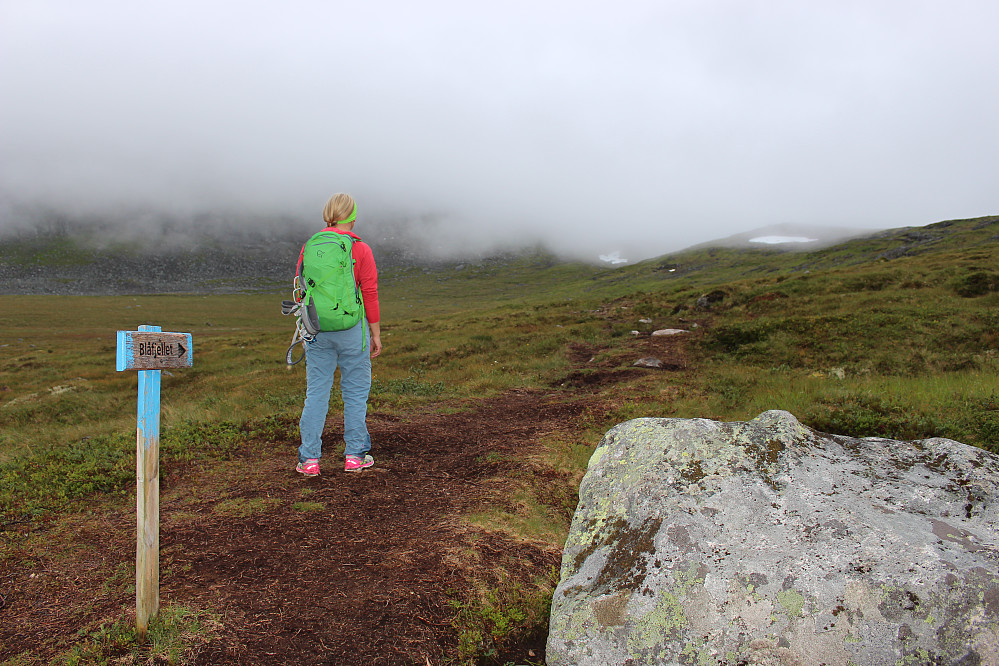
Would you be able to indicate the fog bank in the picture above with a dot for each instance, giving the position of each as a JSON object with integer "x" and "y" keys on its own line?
{"x": 636, "y": 132}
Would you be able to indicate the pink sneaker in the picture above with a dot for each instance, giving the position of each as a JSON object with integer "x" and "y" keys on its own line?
{"x": 355, "y": 464}
{"x": 309, "y": 468}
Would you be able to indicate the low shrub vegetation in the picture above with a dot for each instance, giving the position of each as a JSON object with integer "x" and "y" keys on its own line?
{"x": 874, "y": 337}
{"x": 173, "y": 637}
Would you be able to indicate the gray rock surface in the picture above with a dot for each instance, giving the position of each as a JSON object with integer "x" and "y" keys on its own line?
{"x": 699, "y": 542}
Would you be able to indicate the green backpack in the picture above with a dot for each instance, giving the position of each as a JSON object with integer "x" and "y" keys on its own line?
{"x": 332, "y": 301}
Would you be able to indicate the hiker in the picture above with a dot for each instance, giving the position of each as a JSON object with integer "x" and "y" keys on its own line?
{"x": 351, "y": 349}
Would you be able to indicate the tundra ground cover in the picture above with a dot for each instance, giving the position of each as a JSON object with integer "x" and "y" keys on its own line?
{"x": 847, "y": 339}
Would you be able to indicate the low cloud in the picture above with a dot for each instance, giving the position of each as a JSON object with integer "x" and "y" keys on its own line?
{"x": 468, "y": 127}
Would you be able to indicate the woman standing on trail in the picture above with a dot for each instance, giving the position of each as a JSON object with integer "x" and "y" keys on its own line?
{"x": 347, "y": 349}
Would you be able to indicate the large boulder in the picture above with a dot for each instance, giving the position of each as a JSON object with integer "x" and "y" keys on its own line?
{"x": 699, "y": 542}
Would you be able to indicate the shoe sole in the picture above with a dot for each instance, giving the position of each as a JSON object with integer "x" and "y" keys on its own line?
{"x": 304, "y": 473}
{"x": 358, "y": 469}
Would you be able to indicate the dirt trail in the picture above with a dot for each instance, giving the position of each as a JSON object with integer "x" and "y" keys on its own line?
{"x": 339, "y": 569}
{"x": 363, "y": 575}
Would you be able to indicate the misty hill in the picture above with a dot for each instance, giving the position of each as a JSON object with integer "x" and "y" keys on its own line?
{"x": 68, "y": 260}
{"x": 71, "y": 259}
{"x": 744, "y": 260}
{"x": 800, "y": 236}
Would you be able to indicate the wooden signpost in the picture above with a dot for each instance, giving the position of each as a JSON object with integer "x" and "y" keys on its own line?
{"x": 149, "y": 350}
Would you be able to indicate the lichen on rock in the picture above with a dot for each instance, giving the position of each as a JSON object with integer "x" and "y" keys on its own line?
{"x": 698, "y": 541}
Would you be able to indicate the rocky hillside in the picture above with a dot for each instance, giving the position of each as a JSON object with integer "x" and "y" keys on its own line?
{"x": 66, "y": 261}
{"x": 62, "y": 266}
{"x": 69, "y": 263}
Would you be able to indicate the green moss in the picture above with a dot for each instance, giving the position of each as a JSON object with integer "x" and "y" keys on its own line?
{"x": 662, "y": 623}
{"x": 696, "y": 652}
{"x": 920, "y": 656}
{"x": 792, "y": 602}
{"x": 690, "y": 576}
{"x": 598, "y": 454}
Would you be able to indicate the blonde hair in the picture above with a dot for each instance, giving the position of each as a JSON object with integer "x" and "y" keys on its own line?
{"x": 338, "y": 208}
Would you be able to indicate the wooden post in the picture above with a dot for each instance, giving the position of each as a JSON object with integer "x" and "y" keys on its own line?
{"x": 149, "y": 350}
{"x": 147, "y": 498}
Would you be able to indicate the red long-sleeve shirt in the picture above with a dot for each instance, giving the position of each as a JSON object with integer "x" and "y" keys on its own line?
{"x": 365, "y": 273}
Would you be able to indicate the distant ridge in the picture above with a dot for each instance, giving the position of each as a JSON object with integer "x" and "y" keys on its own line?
{"x": 823, "y": 236}
{"x": 714, "y": 263}
{"x": 61, "y": 262}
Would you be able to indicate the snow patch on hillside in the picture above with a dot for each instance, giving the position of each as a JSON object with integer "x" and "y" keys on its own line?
{"x": 613, "y": 258}
{"x": 775, "y": 240}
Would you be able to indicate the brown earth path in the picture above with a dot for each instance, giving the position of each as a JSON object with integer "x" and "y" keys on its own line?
{"x": 340, "y": 569}
{"x": 365, "y": 574}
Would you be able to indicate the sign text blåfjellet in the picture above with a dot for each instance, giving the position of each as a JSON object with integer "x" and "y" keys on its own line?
{"x": 144, "y": 350}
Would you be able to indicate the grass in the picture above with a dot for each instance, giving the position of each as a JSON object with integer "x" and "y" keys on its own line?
{"x": 524, "y": 517}
{"x": 500, "y": 611}
{"x": 78, "y": 350}
{"x": 308, "y": 506}
{"x": 846, "y": 338}
{"x": 173, "y": 637}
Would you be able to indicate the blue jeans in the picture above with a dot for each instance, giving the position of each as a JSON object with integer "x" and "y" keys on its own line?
{"x": 350, "y": 350}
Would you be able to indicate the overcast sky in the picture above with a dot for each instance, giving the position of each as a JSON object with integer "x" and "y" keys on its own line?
{"x": 640, "y": 126}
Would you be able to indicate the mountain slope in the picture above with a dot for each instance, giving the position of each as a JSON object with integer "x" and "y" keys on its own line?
{"x": 64, "y": 263}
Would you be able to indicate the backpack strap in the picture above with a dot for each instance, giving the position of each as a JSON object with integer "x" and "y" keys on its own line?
{"x": 314, "y": 284}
